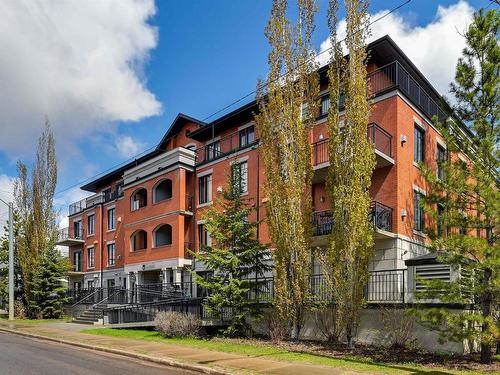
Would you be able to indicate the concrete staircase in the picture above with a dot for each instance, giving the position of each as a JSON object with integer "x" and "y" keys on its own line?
{"x": 91, "y": 315}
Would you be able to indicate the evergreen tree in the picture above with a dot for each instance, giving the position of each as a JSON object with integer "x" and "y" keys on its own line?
{"x": 464, "y": 199}
{"x": 236, "y": 257}
{"x": 49, "y": 292}
{"x": 352, "y": 161}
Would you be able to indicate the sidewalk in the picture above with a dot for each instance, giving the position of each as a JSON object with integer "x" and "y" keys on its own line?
{"x": 205, "y": 360}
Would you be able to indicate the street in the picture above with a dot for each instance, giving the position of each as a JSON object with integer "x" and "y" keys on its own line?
{"x": 21, "y": 355}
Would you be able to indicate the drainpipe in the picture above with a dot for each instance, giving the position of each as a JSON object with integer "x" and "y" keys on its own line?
{"x": 100, "y": 242}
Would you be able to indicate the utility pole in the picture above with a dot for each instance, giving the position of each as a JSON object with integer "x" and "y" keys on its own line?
{"x": 11, "y": 258}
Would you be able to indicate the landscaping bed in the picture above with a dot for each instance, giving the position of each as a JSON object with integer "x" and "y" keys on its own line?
{"x": 364, "y": 358}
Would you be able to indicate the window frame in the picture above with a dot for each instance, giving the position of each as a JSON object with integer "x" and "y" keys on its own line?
{"x": 90, "y": 257}
{"x": 111, "y": 260}
{"x": 90, "y": 228}
{"x": 418, "y": 212}
{"x": 322, "y": 107}
{"x": 204, "y": 238}
{"x": 164, "y": 180}
{"x": 244, "y": 136}
{"x": 155, "y": 231}
{"x": 440, "y": 159}
{"x": 238, "y": 172}
{"x": 418, "y": 144}
{"x": 212, "y": 150}
{"x": 112, "y": 212}
{"x": 205, "y": 189}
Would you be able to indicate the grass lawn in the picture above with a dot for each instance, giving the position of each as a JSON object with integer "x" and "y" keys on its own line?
{"x": 34, "y": 321}
{"x": 266, "y": 350}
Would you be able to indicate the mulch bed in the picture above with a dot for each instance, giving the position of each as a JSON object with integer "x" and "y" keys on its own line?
{"x": 385, "y": 355}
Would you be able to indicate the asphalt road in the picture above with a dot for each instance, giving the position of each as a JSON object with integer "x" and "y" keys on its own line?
{"x": 21, "y": 355}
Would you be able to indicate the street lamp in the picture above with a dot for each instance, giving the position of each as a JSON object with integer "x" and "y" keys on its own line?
{"x": 11, "y": 258}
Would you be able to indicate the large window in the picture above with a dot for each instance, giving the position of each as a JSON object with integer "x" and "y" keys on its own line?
{"x": 212, "y": 150}
{"x": 90, "y": 257}
{"x": 441, "y": 159}
{"x": 111, "y": 254}
{"x": 90, "y": 224}
{"x": 418, "y": 144}
{"x": 325, "y": 106}
{"x": 205, "y": 189}
{"x": 204, "y": 238}
{"x": 162, "y": 235}
{"x": 139, "y": 199}
{"x": 77, "y": 261}
{"x": 440, "y": 220}
{"x": 78, "y": 229}
{"x": 138, "y": 240}
{"x": 111, "y": 219}
{"x": 240, "y": 177}
{"x": 418, "y": 211}
{"x": 247, "y": 136}
{"x": 162, "y": 191}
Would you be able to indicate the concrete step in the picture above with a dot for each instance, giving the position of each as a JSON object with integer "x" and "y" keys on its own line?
{"x": 78, "y": 321}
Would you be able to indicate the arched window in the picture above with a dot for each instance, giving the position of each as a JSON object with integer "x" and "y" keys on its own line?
{"x": 139, "y": 240}
{"x": 162, "y": 191}
{"x": 162, "y": 235}
{"x": 139, "y": 199}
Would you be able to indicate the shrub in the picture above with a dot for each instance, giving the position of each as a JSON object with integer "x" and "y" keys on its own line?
{"x": 398, "y": 328}
{"x": 277, "y": 328}
{"x": 325, "y": 321}
{"x": 175, "y": 324}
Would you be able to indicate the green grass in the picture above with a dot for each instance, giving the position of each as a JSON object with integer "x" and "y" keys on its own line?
{"x": 34, "y": 321}
{"x": 263, "y": 350}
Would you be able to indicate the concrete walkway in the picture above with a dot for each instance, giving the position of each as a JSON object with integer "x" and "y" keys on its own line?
{"x": 218, "y": 361}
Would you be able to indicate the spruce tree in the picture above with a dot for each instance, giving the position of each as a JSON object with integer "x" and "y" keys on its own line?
{"x": 464, "y": 198}
{"x": 236, "y": 257}
{"x": 49, "y": 291}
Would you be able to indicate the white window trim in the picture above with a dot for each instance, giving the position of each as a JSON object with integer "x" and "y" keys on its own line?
{"x": 419, "y": 123}
{"x": 419, "y": 189}
{"x": 204, "y": 173}
{"x": 214, "y": 139}
{"x": 242, "y": 127}
{"x": 441, "y": 142}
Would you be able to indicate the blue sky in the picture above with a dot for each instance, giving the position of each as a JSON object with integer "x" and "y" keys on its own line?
{"x": 115, "y": 76}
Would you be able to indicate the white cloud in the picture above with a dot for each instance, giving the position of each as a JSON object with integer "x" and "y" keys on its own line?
{"x": 78, "y": 62}
{"x": 434, "y": 48}
{"x": 127, "y": 147}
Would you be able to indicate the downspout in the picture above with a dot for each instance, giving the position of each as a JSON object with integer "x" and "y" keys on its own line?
{"x": 100, "y": 244}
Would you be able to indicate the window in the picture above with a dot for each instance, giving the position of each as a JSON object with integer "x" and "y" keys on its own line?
{"x": 77, "y": 261}
{"x": 78, "y": 230}
{"x": 111, "y": 219}
{"x": 139, "y": 199}
{"x": 111, "y": 254}
{"x": 162, "y": 191}
{"x": 441, "y": 159}
{"x": 204, "y": 238}
{"x": 440, "y": 220}
{"x": 418, "y": 212}
{"x": 418, "y": 144}
{"x": 240, "y": 177}
{"x": 205, "y": 189}
{"x": 212, "y": 150}
{"x": 90, "y": 257}
{"x": 304, "y": 111}
{"x": 90, "y": 284}
{"x": 138, "y": 240}
{"x": 325, "y": 106}
{"x": 247, "y": 136}
{"x": 163, "y": 235}
{"x": 91, "y": 224}
{"x": 119, "y": 189}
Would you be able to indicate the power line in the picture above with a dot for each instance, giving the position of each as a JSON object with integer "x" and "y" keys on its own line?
{"x": 239, "y": 100}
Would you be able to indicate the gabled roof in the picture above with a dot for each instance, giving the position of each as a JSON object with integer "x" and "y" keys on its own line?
{"x": 176, "y": 126}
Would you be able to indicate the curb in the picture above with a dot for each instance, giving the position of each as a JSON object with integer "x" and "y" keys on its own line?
{"x": 162, "y": 361}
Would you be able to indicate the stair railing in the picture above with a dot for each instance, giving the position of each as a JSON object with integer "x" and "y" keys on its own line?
{"x": 83, "y": 304}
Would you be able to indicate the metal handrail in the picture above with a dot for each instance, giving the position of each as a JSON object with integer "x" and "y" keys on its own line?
{"x": 83, "y": 299}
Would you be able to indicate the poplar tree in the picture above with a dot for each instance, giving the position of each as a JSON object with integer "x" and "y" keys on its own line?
{"x": 352, "y": 161}
{"x": 34, "y": 204}
{"x": 288, "y": 102}
{"x": 463, "y": 199}
{"x": 236, "y": 257}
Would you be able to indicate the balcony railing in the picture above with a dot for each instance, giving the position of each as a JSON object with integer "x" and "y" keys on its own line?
{"x": 65, "y": 234}
{"x": 381, "y": 139}
{"x": 381, "y": 216}
{"x": 224, "y": 146}
{"x": 102, "y": 197}
{"x": 394, "y": 75}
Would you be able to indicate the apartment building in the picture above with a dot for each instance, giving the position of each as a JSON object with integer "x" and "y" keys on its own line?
{"x": 143, "y": 217}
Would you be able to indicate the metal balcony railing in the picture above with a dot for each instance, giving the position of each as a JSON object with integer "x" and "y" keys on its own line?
{"x": 394, "y": 75}
{"x": 381, "y": 216}
{"x": 226, "y": 145}
{"x": 67, "y": 233}
{"x": 381, "y": 139}
{"x": 101, "y": 197}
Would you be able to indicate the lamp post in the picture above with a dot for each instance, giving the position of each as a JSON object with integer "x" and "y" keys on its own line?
{"x": 11, "y": 258}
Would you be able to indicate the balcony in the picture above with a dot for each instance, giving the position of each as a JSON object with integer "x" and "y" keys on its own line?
{"x": 226, "y": 145}
{"x": 381, "y": 216}
{"x": 67, "y": 237}
{"x": 381, "y": 140}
